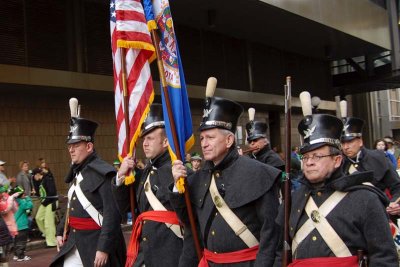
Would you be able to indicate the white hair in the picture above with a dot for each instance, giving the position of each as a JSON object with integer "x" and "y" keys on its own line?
{"x": 225, "y": 132}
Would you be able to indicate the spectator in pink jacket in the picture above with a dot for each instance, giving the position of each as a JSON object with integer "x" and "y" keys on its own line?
{"x": 8, "y": 206}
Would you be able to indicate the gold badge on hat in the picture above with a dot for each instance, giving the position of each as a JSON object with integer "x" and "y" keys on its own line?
{"x": 309, "y": 132}
{"x": 206, "y": 112}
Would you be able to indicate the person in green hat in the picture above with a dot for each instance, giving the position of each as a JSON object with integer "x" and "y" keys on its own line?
{"x": 117, "y": 164}
{"x": 196, "y": 159}
{"x": 21, "y": 217}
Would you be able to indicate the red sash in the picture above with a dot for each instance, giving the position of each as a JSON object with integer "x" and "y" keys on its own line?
{"x": 326, "y": 262}
{"x": 156, "y": 216}
{"x": 83, "y": 223}
{"x": 248, "y": 254}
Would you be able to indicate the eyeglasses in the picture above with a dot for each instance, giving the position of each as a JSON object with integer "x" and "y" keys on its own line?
{"x": 74, "y": 146}
{"x": 315, "y": 158}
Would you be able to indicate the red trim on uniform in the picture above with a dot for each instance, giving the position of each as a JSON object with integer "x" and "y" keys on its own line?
{"x": 155, "y": 216}
{"x": 326, "y": 262}
{"x": 83, "y": 223}
{"x": 248, "y": 254}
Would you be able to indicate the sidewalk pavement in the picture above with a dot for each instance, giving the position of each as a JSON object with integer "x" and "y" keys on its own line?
{"x": 39, "y": 244}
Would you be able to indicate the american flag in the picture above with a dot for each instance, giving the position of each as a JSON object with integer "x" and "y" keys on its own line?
{"x": 129, "y": 32}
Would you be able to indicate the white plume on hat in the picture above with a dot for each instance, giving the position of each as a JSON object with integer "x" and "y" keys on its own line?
{"x": 252, "y": 113}
{"x": 211, "y": 86}
{"x": 343, "y": 108}
{"x": 74, "y": 107}
{"x": 305, "y": 99}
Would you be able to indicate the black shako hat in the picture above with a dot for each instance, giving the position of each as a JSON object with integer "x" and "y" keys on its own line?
{"x": 220, "y": 113}
{"x": 352, "y": 128}
{"x": 255, "y": 130}
{"x": 319, "y": 130}
{"x": 154, "y": 119}
{"x": 81, "y": 130}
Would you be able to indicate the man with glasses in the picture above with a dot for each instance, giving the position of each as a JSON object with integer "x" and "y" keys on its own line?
{"x": 333, "y": 216}
{"x": 358, "y": 158}
{"x": 90, "y": 232}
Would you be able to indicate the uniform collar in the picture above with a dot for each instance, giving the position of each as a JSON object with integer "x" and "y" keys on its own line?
{"x": 160, "y": 160}
{"x": 340, "y": 182}
{"x": 358, "y": 157}
{"x": 262, "y": 151}
{"x": 76, "y": 168}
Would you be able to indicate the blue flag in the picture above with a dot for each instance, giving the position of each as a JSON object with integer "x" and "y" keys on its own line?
{"x": 160, "y": 12}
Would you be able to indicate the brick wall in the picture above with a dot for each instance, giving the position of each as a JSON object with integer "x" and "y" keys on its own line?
{"x": 34, "y": 122}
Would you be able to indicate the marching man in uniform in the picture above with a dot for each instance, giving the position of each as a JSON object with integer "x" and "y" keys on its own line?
{"x": 90, "y": 232}
{"x": 333, "y": 215}
{"x": 257, "y": 139}
{"x": 156, "y": 239}
{"x": 233, "y": 196}
{"x": 359, "y": 158}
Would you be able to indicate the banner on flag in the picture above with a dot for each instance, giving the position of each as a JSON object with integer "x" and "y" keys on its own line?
{"x": 160, "y": 12}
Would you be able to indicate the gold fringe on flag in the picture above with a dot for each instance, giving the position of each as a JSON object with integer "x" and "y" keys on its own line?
{"x": 135, "y": 45}
{"x": 129, "y": 179}
{"x": 180, "y": 185}
{"x": 151, "y": 25}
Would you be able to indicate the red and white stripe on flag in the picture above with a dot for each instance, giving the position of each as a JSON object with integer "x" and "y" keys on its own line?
{"x": 129, "y": 32}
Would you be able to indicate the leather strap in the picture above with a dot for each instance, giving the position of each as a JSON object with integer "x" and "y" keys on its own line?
{"x": 89, "y": 208}
{"x": 230, "y": 217}
{"x": 317, "y": 219}
{"x": 157, "y": 205}
{"x": 352, "y": 169}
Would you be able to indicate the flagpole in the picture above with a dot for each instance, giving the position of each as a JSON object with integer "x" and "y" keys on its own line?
{"x": 127, "y": 128}
{"x": 287, "y": 255}
{"x": 163, "y": 82}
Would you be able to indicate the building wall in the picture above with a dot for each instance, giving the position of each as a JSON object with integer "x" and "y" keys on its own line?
{"x": 78, "y": 40}
{"x": 35, "y": 123}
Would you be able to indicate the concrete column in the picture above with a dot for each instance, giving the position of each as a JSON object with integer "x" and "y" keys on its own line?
{"x": 394, "y": 33}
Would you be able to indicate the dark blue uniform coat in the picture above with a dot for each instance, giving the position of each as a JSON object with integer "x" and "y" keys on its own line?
{"x": 268, "y": 156}
{"x": 96, "y": 185}
{"x": 359, "y": 219}
{"x": 247, "y": 187}
{"x": 384, "y": 175}
{"x": 159, "y": 246}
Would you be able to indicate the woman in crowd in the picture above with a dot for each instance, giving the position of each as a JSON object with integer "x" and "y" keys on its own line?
{"x": 381, "y": 144}
{"x": 23, "y": 177}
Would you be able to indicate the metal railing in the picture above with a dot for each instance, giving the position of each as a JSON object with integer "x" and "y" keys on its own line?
{"x": 341, "y": 66}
